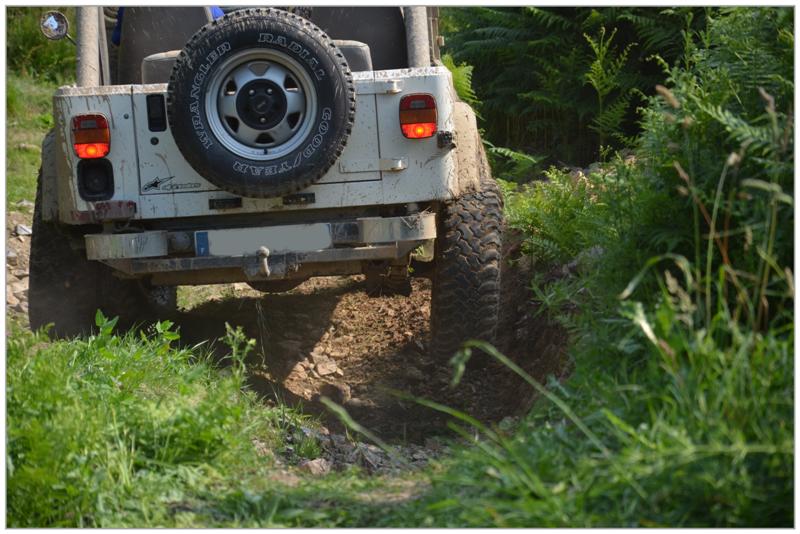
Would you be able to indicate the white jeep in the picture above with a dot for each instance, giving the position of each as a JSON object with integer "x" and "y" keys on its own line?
{"x": 264, "y": 146}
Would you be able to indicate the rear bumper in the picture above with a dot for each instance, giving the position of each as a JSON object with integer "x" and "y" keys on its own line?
{"x": 262, "y": 253}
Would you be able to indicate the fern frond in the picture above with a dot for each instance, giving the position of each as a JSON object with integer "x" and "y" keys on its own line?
{"x": 607, "y": 123}
{"x": 549, "y": 19}
{"x": 462, "y": 80}
{"x": 744, "y": 133}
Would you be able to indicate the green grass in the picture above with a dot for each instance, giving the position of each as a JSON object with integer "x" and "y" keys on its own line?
{"x": 129, "y": 431}
{"x": 639, "y": 436}
{"x": 680, "y": 408}
{"x": 29, "y": 115}
{"x": 190, "y": 297}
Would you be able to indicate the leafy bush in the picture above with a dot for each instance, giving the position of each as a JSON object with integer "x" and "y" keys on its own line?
{"x": 680, "y": 410}
{"x": 537, "y": 71}
{"x": 556, "y": 216}
{"x": 462, "y": 81}
{"x": 721, "y": 148}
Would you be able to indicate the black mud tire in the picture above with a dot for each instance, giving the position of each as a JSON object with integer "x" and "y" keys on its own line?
{"x": 66, "y": 289}
{"x": 300, "y": 40}
{"x": 465, "y": 292}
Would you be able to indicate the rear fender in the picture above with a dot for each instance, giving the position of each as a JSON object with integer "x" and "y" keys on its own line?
{"x": 471, "y": 162}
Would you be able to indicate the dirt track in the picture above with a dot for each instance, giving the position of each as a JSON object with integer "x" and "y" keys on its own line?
{"x": 327, "y": 337}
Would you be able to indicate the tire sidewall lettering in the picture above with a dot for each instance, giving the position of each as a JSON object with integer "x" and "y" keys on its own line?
{"x": 198, "y": 91}
{"x": 314, "y": 143}
{"x": 298, "y": 50}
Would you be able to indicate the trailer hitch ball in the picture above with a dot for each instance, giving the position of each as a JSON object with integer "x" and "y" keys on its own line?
{"x": 263, "y": 256}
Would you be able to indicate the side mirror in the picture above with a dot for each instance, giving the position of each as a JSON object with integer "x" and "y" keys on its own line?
{"x": 54, "y": 25}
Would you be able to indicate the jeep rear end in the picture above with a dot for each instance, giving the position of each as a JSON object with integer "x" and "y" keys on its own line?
{"x": 271, "y": 147}
{"x": 162, "y": 218}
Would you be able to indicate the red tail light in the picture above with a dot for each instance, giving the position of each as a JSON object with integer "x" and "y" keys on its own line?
{"x": 91, "y": 137}
{"x": 418, "y": 116}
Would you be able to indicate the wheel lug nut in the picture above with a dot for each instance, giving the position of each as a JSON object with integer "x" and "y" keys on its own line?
{"x": 252, "y": 92}
{"x": 262, "y": 120}
{"x": 269, "y": 91}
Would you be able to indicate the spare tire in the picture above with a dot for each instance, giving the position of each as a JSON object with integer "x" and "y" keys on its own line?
{"x": 261, "y": 102}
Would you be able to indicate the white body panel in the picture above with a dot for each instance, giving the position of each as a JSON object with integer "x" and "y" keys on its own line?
{"x": 378, "y": 166}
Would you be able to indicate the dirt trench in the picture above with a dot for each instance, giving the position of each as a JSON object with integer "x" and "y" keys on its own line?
{"x": 328, "y": 338}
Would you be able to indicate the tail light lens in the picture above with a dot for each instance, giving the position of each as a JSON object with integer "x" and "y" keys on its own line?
{"x": 91, "y": 137}
{"x": 418, "y": 116}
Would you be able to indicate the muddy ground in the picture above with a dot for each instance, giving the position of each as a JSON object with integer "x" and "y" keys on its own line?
{"x": 327, "y": 337}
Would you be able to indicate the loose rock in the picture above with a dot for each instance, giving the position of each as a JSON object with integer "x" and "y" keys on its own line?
{"x": 20, "y": 288}
{"x": 299, "y": 371}
{"x": 319, "y": 357}
{"x": 326, "y": 368}
{"x": 419, "y": 455}
{"x": 262, "y": 449}
{"x": 22, "y": 229}
{"x": 28, "y": 147}
{"x": 371, "y": 456}
{"x": 11, "y": 257}
{"x": 11, "y": 299}
{"x": 355, "y": 402}
{"x": 317, "y": 467}
{"x": 338, "y": 393}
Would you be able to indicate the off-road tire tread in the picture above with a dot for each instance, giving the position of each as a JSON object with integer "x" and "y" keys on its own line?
{"x": 465, "y": 296}
{"x": 66, "y": 289}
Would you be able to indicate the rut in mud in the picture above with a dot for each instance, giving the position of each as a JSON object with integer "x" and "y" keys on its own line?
{"x": 327, "y": 337}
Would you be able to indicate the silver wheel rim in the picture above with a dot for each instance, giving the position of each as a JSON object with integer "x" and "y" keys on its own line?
{"x": 261, "y": 75}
